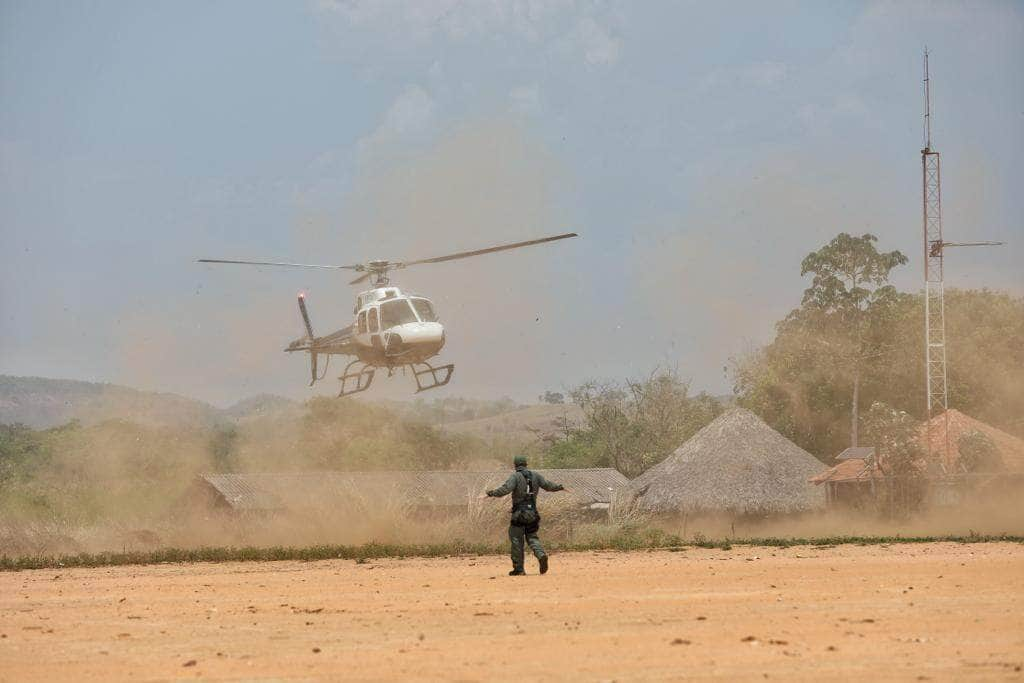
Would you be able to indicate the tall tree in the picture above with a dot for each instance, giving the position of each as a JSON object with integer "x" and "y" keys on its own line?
{"x": 849, "y": 295}
{"x": 795, "y": 384}
{"x": 855, "y": 340}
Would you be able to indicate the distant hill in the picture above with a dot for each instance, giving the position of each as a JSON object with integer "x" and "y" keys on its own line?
{"x": 40, "y": 403}
{"x": 449, "y": 409}
{"x": 523, "y": 425}
{"x": 261, "y": 405}
{"x": 520, "y": 424}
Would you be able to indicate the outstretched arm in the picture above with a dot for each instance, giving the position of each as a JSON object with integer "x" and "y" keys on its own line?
{"x": 504, "y": 489}
{"x": 547, "y": 485}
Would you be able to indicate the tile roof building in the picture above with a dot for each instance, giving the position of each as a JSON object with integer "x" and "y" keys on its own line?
{"x": 1011, "y": 448}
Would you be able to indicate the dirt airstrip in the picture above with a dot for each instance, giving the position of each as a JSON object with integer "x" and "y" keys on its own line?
{"x": 915, "y": 612}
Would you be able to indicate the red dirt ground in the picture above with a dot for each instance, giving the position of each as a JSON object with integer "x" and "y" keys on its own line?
{"x": 912, "y": 612}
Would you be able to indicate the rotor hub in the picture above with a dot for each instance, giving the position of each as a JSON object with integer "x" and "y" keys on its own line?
{"x": 379, "y": 270}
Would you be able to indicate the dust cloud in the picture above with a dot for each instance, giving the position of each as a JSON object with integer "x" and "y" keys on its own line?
{"x": 485, "y": 182}
{"x": 998, "y": 516}
{"x": 518, "y": 323}
{"x": 480, "y": 183}
{"x": 119, "y": 486}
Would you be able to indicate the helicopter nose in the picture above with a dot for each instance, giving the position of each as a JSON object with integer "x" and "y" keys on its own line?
{"x": 430, "y": 332}
{"x": 421, "y": 333}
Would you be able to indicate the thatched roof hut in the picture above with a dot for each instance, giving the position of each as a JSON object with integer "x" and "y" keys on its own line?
{"x": 738, "y": 465}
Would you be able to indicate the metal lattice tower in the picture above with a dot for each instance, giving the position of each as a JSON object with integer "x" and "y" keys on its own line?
{"x": 934, "y": 303}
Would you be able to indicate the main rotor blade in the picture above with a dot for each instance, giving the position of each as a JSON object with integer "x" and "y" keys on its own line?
{"x": 278, "y": 263}
{"x": 489, "y": 250}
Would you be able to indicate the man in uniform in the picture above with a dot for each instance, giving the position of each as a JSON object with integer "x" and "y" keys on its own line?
{"x": 523, "y": 485}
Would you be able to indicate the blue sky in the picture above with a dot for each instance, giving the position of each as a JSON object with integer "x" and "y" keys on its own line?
{"x": 701, "y": 150}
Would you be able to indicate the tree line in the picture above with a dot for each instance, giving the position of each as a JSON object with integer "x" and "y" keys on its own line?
{"x": 117, "y": 467}
{"x": 855, "y": 341}
{"x": 845, "y": 367}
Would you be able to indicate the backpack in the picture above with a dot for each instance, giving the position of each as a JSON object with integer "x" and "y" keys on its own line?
{"x": 524, "y": 513}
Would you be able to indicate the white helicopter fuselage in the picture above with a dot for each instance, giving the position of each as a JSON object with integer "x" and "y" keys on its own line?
{"x": 393, "y": 328}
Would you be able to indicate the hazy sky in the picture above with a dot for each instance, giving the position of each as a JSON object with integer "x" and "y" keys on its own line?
{"x": 700, "y": 149}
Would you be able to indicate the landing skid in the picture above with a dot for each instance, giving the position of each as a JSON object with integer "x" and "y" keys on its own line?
{"x": 435, "y": 377}
{"x": 426, "y": 375}
{"x": 362, "y": 378}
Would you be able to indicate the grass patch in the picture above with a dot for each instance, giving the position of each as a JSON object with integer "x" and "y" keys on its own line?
{"x": 359, "y": 553}
{"x": 629, "y": 539}
{"x": 830, "y": 541}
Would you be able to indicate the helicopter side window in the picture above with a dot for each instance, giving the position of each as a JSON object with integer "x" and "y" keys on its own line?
{"x": 396, "y": 312}
{"x": 424, "y": 310}
{"x": 361, "y": 324}
{"x": 374, "y": 326}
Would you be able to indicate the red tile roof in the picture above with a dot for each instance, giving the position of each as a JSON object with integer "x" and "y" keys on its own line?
{"x": 847, "y": 470}
{"x": 1011, "y": 449}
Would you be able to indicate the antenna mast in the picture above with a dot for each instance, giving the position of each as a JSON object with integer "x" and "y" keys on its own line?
{"x": 927, "y": 106}
{"x": 934, "y": 302}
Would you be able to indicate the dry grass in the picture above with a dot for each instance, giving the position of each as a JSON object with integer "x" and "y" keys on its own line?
{"x": 372, "y": 525}
{"x": 625, "y": 540}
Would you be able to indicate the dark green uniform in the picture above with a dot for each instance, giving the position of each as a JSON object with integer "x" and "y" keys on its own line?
{"x": 517, "y": 484}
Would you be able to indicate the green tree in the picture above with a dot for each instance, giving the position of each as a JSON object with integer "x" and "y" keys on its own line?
{"x": 797, "y": 386}
{"x": 552, "y": 397}
{"x": 978, "y": 453}
{"x": 634, "y": 424}
{"x": 894, "y": 434}
{"x": 22, "y": 450}
{"x": 576, "y": 450}
{"x": 824, "y": 352}
{"x": 849, "y": 295}
{"x": 985, "y": 351}
{"x": 222, "y": 443}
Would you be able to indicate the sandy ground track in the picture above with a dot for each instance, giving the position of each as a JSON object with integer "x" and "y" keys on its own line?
{"x": 915, "y": 612}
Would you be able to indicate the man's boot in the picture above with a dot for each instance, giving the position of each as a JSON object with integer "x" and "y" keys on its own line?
{"x": 543, "y": 559}
{"x": 517, "y": 572}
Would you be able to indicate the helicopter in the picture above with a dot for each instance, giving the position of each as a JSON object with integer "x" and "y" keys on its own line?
{"x": 391, "y": 328}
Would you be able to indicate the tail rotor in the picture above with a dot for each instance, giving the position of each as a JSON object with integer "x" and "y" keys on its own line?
{"x": 310, "y": 336}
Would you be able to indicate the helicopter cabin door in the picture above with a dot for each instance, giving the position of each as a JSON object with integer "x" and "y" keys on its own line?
{"x": 373, "y": 323}
{"x": 360, "y": 328}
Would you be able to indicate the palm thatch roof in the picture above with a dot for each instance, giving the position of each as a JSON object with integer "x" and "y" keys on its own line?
{"x": 272, "y": 491}
{"x": 736, "y": 464}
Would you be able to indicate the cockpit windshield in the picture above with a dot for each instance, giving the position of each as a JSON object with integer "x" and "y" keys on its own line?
{"x": 397, "y": 312}
{"x": 425, "y": 310}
